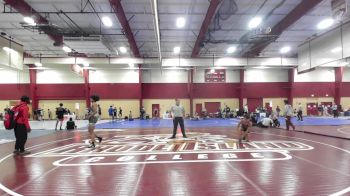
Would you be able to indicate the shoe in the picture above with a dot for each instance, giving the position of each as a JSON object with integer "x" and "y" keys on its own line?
{"x": 92, "y": 145}
{"x": 24, "y": 152}
{"x": 16, "y": 152}
{"x": 99, "y": 140}
{"x": 172, "y": 137}
{"x": 184, "y": 136}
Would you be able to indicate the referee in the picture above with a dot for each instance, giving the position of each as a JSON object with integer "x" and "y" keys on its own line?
{"x": 178, "y": 113}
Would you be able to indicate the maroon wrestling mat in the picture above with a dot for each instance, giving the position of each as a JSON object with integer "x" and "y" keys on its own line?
{"x": 210, "y": 162}
{"x": 342, "y": 131}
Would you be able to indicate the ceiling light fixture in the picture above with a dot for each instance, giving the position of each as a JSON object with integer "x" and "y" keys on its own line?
{"x": 231, "y": 49}
{"x": 107, "y": 21}
{"x": 122, "y": 49}
{"x": 177, "y": 50}
{"x": 66, "y": 49}
{"x": 7, "y": 49}
{"x": 343, "y": 64}
{"x": 254, "y": 22}
{"x": 337, "y": 49}
{"x": 29, "y": 21}
{"x": 86, "y": 64}
{"x": 261, "y": 67}
{"x": 285, "y": 49}
{"x": 180, "y": 22}
{"x": 38, "y": 64}
{"x": 324, "y": 24}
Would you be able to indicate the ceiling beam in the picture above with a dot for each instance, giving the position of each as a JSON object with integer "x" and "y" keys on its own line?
{"x": 300, "y": 10}
{"x": 26, "y": 10}
{"x": 119, "y": 12}
{"x": 205, "y": 25}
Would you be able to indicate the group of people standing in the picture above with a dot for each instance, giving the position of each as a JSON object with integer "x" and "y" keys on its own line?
{"x": 115, "y": 113}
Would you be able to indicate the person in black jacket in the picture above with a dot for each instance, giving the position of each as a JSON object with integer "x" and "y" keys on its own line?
{"x": 70, "y": 125}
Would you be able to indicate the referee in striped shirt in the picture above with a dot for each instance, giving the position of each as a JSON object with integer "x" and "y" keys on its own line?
{"x": 178, "y": 113}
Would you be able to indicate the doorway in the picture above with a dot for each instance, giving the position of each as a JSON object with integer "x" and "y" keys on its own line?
{"x": 155, "y": 110}
{"x": 253, "y": 103}
{"x": 311, "y": 109}
{"x": 199, "y": 109}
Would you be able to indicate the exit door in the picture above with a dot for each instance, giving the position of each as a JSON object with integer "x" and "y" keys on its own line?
{"x": 311, "y": 109}
{"x": 155, "y": 110}
{"x": 199, "y": 109}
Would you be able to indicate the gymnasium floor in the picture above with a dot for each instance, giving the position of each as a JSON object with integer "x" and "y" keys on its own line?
{"x": 142, "y": 161}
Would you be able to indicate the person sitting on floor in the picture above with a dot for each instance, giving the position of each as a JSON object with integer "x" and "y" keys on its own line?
{"x": 195, "y": 116}
{"x": 253, "y": 119}
{"x": 276, "y": 122}
{"x": 265, "y": 122}
{"x": 70, "y": 125}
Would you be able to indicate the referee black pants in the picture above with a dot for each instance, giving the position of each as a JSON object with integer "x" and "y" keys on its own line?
{"x": 300, "y": 115}
{"x": 21, "y": 137}
{"x": 176, "y": 121}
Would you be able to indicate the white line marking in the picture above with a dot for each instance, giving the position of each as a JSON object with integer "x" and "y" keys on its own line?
{"x": 8, "y": 191}
{"x": 342, "y": 131}
{"x": 139, "y": 180}
{"x": 322, "y": 166}
{"x": 155, "y": 153}
{"x": 342, "y": 192}
{"x": 341, "y": 149}
{"x": 298, "y": 138}
{"x": 248, "y": 180}
{"x": 58, "y": 163}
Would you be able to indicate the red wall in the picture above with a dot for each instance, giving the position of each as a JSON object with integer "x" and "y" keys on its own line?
{"x": 164, "y": 90}
{"x": 60, "y": 91}
{"x": 345, "y": 89}
{"x": 172, "y": 90}
{"x": 115, "y": 91}
{"x": 319, "y": 89}
{"x": 215, "y": 90}
{"x": 13, "y": 91}
{"x": 260, "y": 90}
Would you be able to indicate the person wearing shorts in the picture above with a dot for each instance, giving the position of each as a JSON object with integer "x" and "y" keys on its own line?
{"x": 60, "y": 111}
{"x": 242, "y": 127}
{"x": 93, "y": 118}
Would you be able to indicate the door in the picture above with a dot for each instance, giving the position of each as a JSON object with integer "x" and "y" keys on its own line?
{"x": 253, "y": 103}
{"x": 155, "y": 110}
{"x": 311, "y": 109}
{"x": 212, "y": 107}
{"x": 199, "y": 109}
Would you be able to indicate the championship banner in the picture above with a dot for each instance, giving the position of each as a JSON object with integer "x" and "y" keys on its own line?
{"x": 219, "y": 75}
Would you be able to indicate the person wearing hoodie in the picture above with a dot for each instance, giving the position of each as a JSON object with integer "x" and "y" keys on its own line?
{"x": 22, "y": 127}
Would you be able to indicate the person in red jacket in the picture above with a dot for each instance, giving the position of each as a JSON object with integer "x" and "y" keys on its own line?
{"x": 22, "y": 126}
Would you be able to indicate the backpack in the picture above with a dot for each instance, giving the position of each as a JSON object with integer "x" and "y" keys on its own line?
{"x": 11, "y": 117}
